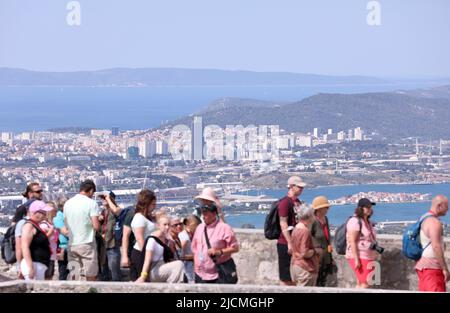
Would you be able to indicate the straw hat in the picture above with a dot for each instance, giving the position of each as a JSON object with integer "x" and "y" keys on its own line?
{"x": 320, "y": 202}
{"x": 207, "y": 194}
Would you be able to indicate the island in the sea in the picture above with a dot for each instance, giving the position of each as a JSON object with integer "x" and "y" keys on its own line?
{"x": 383, "y": 197}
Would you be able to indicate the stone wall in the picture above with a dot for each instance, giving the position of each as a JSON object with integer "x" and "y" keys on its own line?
{"x": 257, "y": 263}
{"x": 257, "y": 269}
{"x": 21, "y": 286}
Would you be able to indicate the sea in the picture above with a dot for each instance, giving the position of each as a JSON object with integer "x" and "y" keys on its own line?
{"x": 41, "y": 108}
{"x": 339, "y": 213}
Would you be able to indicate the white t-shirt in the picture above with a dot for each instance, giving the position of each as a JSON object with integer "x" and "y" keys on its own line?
{"x": 138, "y": 221}
{"x": 77, "y": 213}
{"x": 184, "y": 236}
{"x": 157, "y": 250}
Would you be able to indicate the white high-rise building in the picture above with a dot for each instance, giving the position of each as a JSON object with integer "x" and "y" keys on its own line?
{"x": 330, "y": 131}
{"x": 350, "y": 134}
{"x": 7, "y": 137}
{"x": 27, "y": 136}
{"x": 197, "y": 138}
{"x": 147, "y": 148}
{"x": 359, "y": 134}
{"x": 316, "y": 132}
{"x": 162, "y": 147}
{"x": 341, "y": 136}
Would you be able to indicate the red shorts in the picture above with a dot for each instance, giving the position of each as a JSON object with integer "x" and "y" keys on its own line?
{"x": 363, "y": 272}
{"x": 431, "y": 280}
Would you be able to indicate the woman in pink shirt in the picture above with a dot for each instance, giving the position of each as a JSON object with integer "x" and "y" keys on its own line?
{"x": 362, "y": 247}
{"x": 222, "y": 242}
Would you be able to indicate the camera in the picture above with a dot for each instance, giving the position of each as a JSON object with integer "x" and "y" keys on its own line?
{"x": 376, "y": 247}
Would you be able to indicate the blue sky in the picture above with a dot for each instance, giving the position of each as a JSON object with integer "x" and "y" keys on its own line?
{"x": 315, "y": 36}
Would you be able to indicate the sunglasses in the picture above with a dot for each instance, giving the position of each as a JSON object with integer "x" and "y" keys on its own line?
{"x": 177, "y": 224}
{"x": 38, "y": 191}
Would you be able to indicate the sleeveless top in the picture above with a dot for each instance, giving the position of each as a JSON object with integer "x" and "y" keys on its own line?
{"x": 40, "y": 247}
{"x": 428, "y": 259}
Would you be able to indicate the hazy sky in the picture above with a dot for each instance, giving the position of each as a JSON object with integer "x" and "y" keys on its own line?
{"x": 314, "y": 36}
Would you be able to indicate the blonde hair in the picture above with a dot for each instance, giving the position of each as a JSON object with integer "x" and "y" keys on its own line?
{"x": 160, "y": 216}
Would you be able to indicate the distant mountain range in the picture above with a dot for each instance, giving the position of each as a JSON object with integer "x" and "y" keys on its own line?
{"x": 399, "y": 114}
{"x": 171, "y": 77}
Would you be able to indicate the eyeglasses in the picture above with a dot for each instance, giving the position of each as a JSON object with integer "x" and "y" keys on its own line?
{"x": 177, "y": 224}
{"x": 38, "y": 191}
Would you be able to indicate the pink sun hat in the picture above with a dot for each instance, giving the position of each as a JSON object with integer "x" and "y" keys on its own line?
{"x": 38, "y": 205}
{"x": 207, "y": 194}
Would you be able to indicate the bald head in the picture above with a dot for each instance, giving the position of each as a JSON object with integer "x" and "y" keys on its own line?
{"x": 439, "y": 205}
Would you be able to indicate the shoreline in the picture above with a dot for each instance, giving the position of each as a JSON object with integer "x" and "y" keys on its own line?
{"x": 351, "y": 185}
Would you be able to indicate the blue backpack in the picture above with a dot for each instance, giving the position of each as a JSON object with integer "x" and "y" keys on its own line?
{"x": 412, "y": 248}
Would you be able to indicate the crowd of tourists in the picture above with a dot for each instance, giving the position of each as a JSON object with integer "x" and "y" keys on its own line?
{"x": 87, "y": 241}
{"x": 305, "y": 248}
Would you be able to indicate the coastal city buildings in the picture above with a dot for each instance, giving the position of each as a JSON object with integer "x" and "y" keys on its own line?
{"x": 128, "y": 160}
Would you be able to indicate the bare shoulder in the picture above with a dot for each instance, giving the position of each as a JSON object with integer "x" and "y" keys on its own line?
{"x": 431, "y": 224}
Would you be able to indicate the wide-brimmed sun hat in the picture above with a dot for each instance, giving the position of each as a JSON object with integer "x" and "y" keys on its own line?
{"x": 207, "y": 194}
{"x": 320, "y": 202}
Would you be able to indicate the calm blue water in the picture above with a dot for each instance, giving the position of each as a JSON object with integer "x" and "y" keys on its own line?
{"x": 338, "y": 214}
{"x": 41, "y": 108}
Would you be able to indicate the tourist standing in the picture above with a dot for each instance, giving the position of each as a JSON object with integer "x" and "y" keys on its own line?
{"x": 286, "y": 213}
{"x": 52, "y": 235}
{"x": 128, "y": 239}
{"x": 62, "y": 254}
{"x": 213, "y": 243}
{"x": 81, "y": 217}
{"x": 362, "y": 247}
{"x": 432, "y": 269}
{"x": 35, "y": 245}
{"x": 320, "y": 232}
{"x": 33, "y": 192}
{"x": 111, "y": 270}
{"x": 190, "y": 225}
{"x": 305, "y": 257}
{"x": 142, "y": 226}
{"x": 208, "y": 197}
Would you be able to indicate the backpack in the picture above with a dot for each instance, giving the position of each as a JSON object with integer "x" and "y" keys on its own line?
{"x": 272, "y": 229}
{"x": 168, "y": 255}
{"x": 8, "y": 245}
{"x": 340, "y": 237}
{"x": 118, "y": 227}
{"x": 411, "y": 247}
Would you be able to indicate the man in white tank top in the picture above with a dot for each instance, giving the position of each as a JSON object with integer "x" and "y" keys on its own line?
{"x": 432, "y": 270}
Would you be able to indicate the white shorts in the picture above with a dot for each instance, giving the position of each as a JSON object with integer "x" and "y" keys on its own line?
{"x": 39, "y": 270}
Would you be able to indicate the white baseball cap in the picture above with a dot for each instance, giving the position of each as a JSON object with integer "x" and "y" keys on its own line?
{"x": 296, "y": 181}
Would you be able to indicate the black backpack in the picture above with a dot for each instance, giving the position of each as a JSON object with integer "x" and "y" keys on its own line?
{"x": 168, "y": 255}
{"x": 272, "y": 229}
{"x": 8, "y": 245}
{"x": 340, "y": 237}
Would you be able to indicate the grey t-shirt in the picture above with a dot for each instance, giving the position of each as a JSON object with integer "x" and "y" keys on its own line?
{"x": 19, "y": 225}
